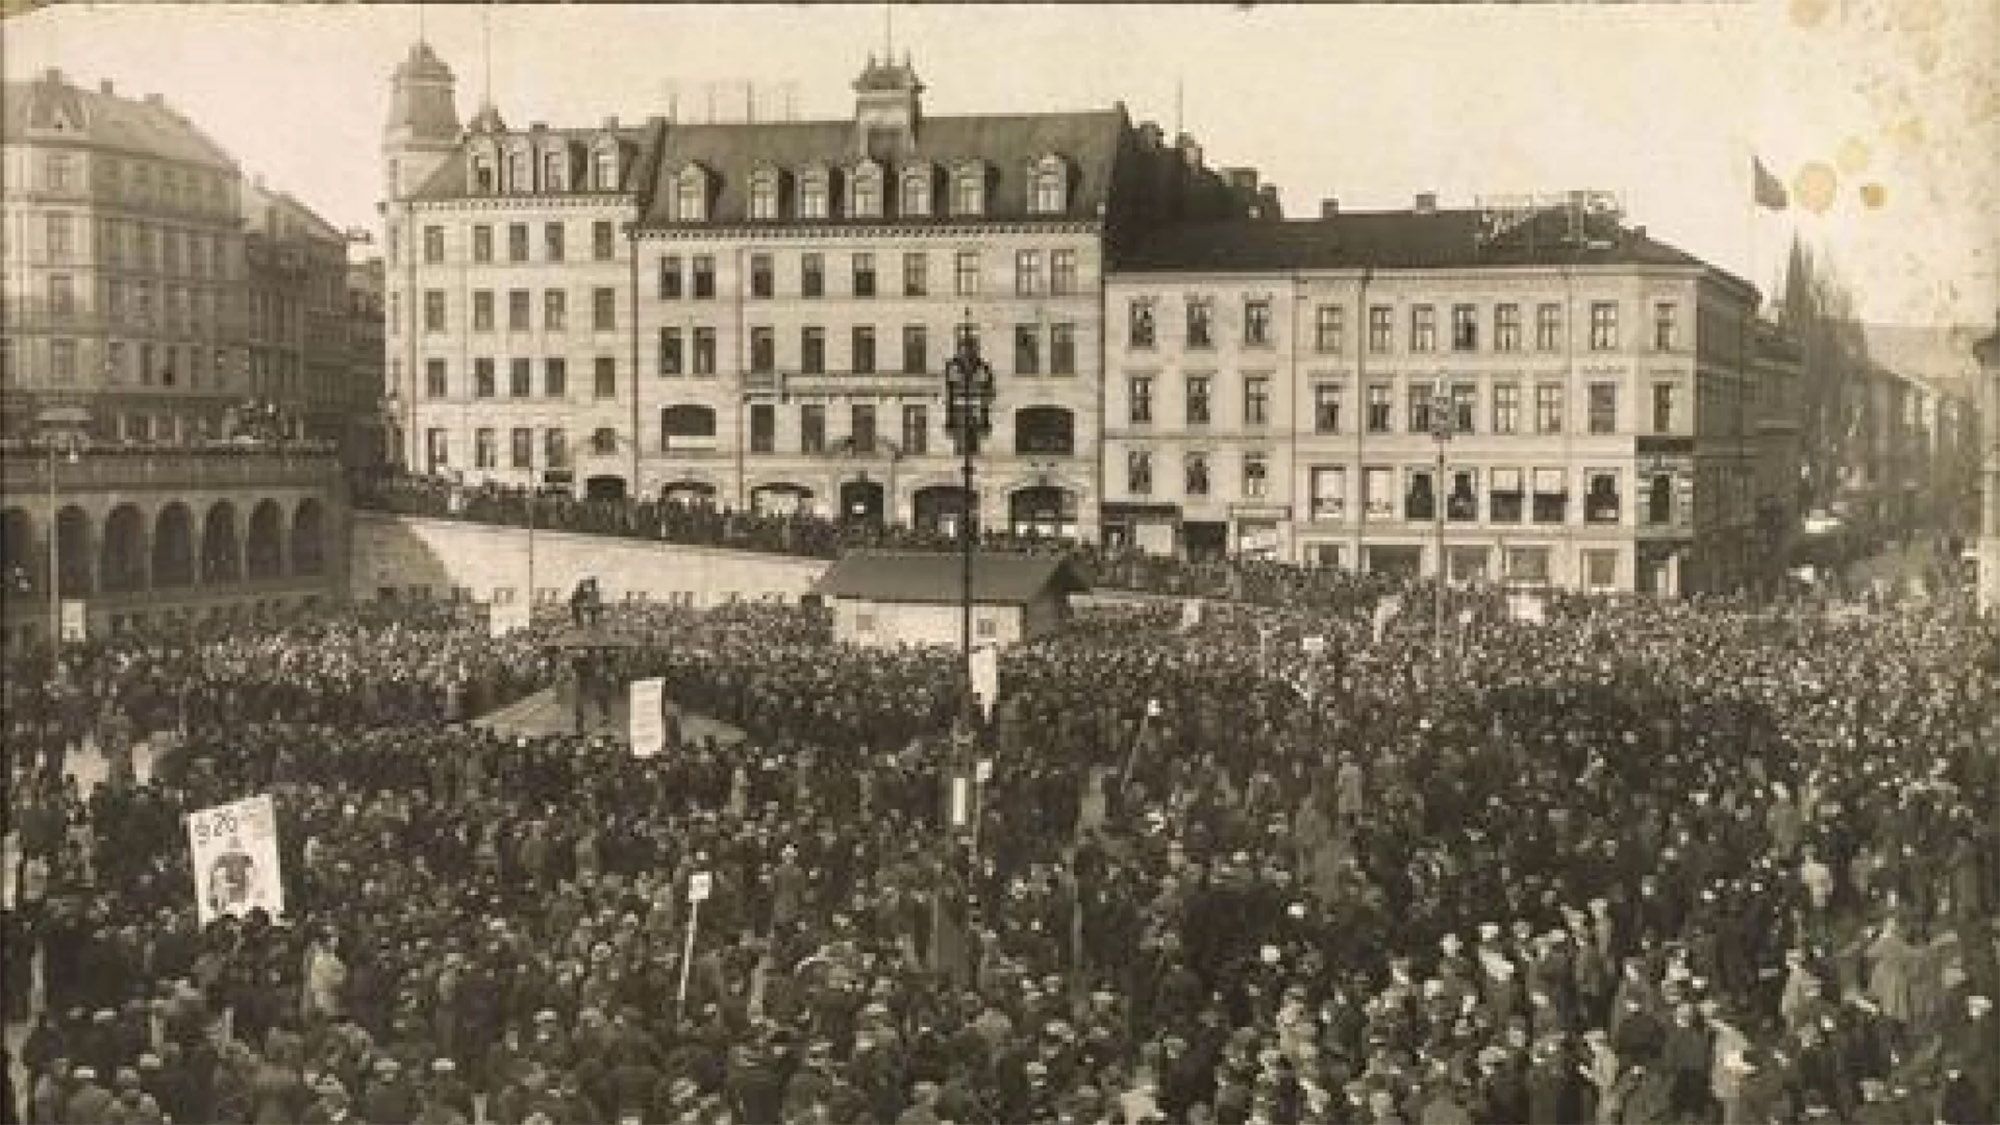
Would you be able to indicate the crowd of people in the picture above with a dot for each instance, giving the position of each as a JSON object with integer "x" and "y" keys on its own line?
{"x": 1645, "y": 862}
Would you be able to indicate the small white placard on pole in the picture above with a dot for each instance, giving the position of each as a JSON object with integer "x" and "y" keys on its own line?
{"x": 646, "y": 720}
{"x": 961, "y": 802}
{"x": 75, "y": 625}
{"x": 699, "y": 884}
{"x": 1313, "y": 645}
{"x": 983, "y": 773}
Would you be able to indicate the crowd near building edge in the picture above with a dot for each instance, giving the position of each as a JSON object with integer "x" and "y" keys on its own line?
{"x": 753, "y": 315}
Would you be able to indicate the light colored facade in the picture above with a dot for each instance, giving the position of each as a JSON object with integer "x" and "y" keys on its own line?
{"x": 123, "y": 274}
{"x": 1780, "y": 487}
{"x": 1596, "y": 387}
{"x": 371, "y": 436}
{"x": 758, "y": 314}
{"x": 1988, "y": 352}
{"x": 297, "y": 320}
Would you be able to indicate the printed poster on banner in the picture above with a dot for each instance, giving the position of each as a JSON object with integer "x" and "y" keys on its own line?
{"x": 235, "y": 853}
{"x": 74, "y": 623}
{"x": 1190, "y": 613}
{"x": 648, "y": 717}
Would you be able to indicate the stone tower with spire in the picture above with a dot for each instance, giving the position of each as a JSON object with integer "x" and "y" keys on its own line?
{"x": 422, "y": 130}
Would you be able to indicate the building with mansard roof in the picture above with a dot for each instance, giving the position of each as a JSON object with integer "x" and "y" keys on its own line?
{"x": 757, "y": 312}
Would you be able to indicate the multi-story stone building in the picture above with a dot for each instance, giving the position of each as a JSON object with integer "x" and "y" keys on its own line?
{"x": 759, "y": 313}
{"x": 298, "y": 317}
{"x": 1987, "y": 351}
{"x": 371, "y": 437}
{"x": 1272, "y": 388}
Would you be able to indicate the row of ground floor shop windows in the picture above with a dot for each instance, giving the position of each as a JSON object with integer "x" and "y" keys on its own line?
{"x": 1597, "y": 568}
{"x": 1512, "y": 495}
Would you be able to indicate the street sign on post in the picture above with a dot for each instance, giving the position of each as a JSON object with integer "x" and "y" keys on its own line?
{"x": 699, "y": 886}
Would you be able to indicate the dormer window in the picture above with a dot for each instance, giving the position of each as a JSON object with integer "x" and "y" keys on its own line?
{"x": 764, "y": 194}
{"x": 968, "y": 190}
{"x": 555, "y": 173}
{"x": 604, "y": 167}
{"x": 519, "y": 175}
{"x": 815, "y": 189}
{"x": 691, "y": 195}
{"x": 482, "y": 172}
{"x": 1049, "y": 188}
{"x": 916, "y": 202}
{"x": 865, "y": 192}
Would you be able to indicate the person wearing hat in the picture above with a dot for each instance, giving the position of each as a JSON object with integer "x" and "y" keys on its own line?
{"x": 388, "y": 1095}
{"x": 88, "y": 1103}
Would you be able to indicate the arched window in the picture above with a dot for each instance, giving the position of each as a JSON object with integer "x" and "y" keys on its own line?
{"x": 764, "y": 194}
{"x": 1044, "y": 429}
{"x": 1050, "y": 194}
{"x": 865, "y": 192}
{"x": 691, "y": 195}
{"x": 815, "y": 192}
{"x": 968, "y": 190}
{"x": 686, "y": 426}
{"x": 916, "y": 201}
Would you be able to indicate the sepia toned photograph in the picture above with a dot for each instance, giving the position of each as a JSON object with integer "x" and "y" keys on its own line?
{"x": 1000, "y": 564}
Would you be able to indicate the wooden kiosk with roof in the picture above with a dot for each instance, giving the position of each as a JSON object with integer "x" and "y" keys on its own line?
{"x": 892, "y": 598}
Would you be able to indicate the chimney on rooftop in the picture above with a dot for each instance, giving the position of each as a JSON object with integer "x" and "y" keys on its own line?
{"x": 53, "y": 76}
{"x": 1150, "y": 136}
{"x": 1241, "y": 179}
{"x": 1267, "y": 201}
{"x": 1329, "y": 207}
{"x": 1427, "y": 203}
{"x": 611, "y": 123}
{"x": 1189, "y": 150}
{"x": 538, "y": 127}
{"x": 104, "y": 87}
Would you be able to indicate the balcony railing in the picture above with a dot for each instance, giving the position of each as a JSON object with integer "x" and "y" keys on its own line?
{"x": 24, "y": 467}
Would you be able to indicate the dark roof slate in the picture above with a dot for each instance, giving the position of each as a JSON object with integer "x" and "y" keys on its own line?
{"x": 935, "y": 577}
{"x": 147, "y": 127}
{"x": 453, "y": 178}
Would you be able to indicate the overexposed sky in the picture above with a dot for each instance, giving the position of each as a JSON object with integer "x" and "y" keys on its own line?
{"x": 1884, "y": 114}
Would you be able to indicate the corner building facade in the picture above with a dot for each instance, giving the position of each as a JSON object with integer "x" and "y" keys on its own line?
{"x": 1271, "y": 391}
{"x": 758, "y": 313}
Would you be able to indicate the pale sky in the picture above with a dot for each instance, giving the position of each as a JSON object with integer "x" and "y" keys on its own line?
{"x": 1896, "y": 100}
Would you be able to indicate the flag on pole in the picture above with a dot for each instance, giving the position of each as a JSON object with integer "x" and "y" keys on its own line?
{"x": 1770, "y": 191}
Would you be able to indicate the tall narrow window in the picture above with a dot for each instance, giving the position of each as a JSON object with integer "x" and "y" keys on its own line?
{"x": 703, "y": 270}
{"x": 704, "y": 351}
{"x": 1464, "y": 328}
{"x": 1256, "y": 400}
{"x": 604, "y": 309}
{"x": 1604, "y": 408}
{"x": 862, "y": 347}
{"x": 1062, "y": 349}
{"x": 1139, "y": 394}
{"x": 916, "y": 349}
{"x": 812, "y": 351}
{"x": 517, "y": 242}
{"x": 1381, "y": 328}
{"x": 1381, "y": 407}
{"x": 916, "y": 274}
{"x": 916, "y": 429}
{"x": 1329, "y": 324}
{"x": 555, "y": 377}
{"x": 670, "y": 277}
{"x": 1138, "y": 472}
{"x": 1257, "y": 322}
{"x": 520, "y": 377}
{"x": 1027, "y": 273}
{"x": 1507, "y": 328}
{"x": 603, "y": 244}
{"x": 1423, "y": 328}
{"x": 1200, "y": 322}
{"x": 1027, "y": 349}
{"x": 1197, "y": 400}
{"x": 1326, "y": 407}
{"x": 763, "y": 427}
{"x": 670, "y": 351}
{"x": 812, "y": 275}
{"x": 1603, "y": 326}
{"x": 1062, "y": 272}
{"x": 1548, "y": 408}
{"x": 762, "y": 278}
{"x": 763, "y": 350}
{"x": 812, "y": 428}
{"x": 433, "y": 245}
{"x": 864, "y": 275}
{"x": 1666, "y": 326}
{"x": 552, "y": 241}
{"x": 1139, "y": 324}
{"x": 965, "y": 273}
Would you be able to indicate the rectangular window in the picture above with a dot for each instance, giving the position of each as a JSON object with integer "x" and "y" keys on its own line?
{"x": 602, "y": 241}
{"x": 1603, "y": 326}
{"x": 702, "y": 266}
{"x": 1420, "y": 396}
{"x": 1506, "y": 408}
{"x": 861, "y": 426}
{"x": 1027, "y": 349}
{"x": 1600, "y": 569}
{"x": 916, "y": 274}
{"x": 1139, "y": 394}
{"x": 1423, "y": 328}
{"x": 704, "y": 351}
{"x": 670, "y": 277}
{"x": 812, "y": 428}
{"x": 862, "y": 349}
{"x": 1381, "y": 407}
{"x": 1256, "y": 400}
{"x": 517, "y": 242}
{"x": 864, "y": 275}
{"x": 555, "y": 448}
{"x": 1548, "y": 327}
{"x": 1378, "y": 493}
{"x": 521, "y": 448}
{"x": 1381, "y": 328}
{"x": 62, "y": 360}
{"x": 1663, "y": 407}
{"x": 1604, "y": 408}
{"x": 763, "y": 428}
{"x": 1464, "y": 328}
{"x": 521, "y": 377}
{"x": 434, "y": 310}
{"x": 1505, "y": 497}
{"x": 1528, "y": 564}
{"x": 812, "y": 275}
{"x": 1507, "y": 328}
{"x": 555, "y": 377}
{"x": 1027, "y": 273}
{"x": 1257, "y": 322}
{"x": 437, "y": 449}
{"x": 1419, "y": 495}
{"x": 1197, "y": 400}
{"x": 555, "y": 310}
{"x": 1548, "y": 408}
{"x": 552, "y": 241}
{"x": 1200, "y": 323}
{"x": 1328, "y": 486}
{"x": 1461, "y": 504}
{"x": 482, "y": 310}
{"x": 436, "y": 384}
{"x": 433, "y": 245}
{"x": 1062, "y": 349}
{"x": 763, "y": 350}
{"x": 518, "y": 314}
{"x": 60, "y": 243}
{"x": 1326, "y": 407}
{"x": 1666, "y": 326}
{"x": 62, "y": 298}
{"x": 604, "y": 377}
{"x": 1551, "y": 498}
{"x": 1602, "y": 500}
{"x": 482, "y": 378}
{"x": 604, "y": 309}
{"x": 1256, "y": 475}
{"x": 485, "y": 449}
{"x": 1062, "y": 272}
{"x": 1195, "y": 473}
{"x": 916, "y": 349}
{"x": 812, "y": 351}
{"x": 671, "y": 359}
{"x": 965, "y": 273}
{"x": 1139, "y": 324}
{"x": 763, "y": 280}
{"x": 1138, "y": 472}
{"x": 1659, "y": 507}
{"x": 1464, "y": 408}
{"x": 1329, "y": 329}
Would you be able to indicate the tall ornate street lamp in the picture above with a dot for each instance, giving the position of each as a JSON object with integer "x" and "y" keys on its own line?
{"x": 969, "y": 393}
{"x": 60, "y": 430}
{"x": 1441, "y": 432}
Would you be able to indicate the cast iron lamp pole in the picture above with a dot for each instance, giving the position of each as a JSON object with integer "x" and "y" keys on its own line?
{"x": 1441, "y": 432}
{"x": 969, "y": 393}
{"x": 61, "y": 431}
